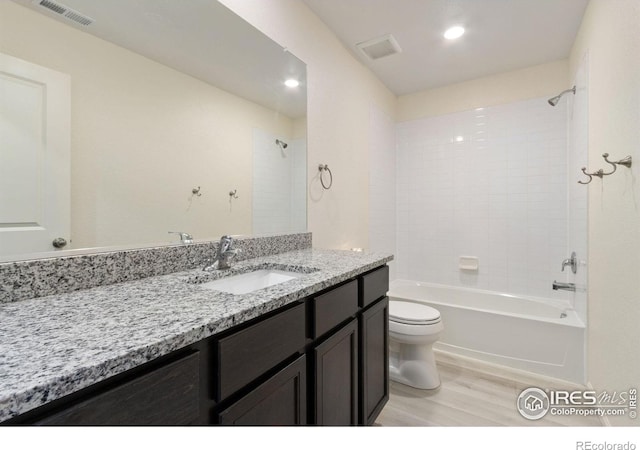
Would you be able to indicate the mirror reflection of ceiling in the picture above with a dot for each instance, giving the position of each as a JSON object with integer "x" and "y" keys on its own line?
{"x": 219, "y": 48}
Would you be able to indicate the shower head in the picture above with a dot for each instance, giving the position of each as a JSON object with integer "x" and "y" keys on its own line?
{"x": 282, "y": 144}
{"x": 554, "y": 101}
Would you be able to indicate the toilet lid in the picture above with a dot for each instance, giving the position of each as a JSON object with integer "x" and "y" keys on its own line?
{"x": 412, "y": 313}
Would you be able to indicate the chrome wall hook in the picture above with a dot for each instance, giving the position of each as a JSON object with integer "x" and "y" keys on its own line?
{"x": 615, "y": 165}
{"x": 626, "y": 161}
{"x": 601, "y": 173}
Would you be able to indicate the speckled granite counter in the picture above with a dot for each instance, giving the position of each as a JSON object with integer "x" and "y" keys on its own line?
{"x": 53, "y": 346}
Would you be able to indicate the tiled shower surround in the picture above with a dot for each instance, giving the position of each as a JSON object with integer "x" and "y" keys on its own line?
{"x": 41, "y": 277}
{"x": 489, "y": 183}
{"x": 279, "y": 184}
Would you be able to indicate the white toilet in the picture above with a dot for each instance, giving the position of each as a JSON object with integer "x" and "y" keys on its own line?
{"x": 413, "y": 329}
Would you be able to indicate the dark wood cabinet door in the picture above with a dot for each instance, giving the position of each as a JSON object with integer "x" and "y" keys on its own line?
{"x": 336, "y": 378}
{"x": 281, "y": 400}
{"x": 168, "y": 395}
{"x": 374, "y": 359}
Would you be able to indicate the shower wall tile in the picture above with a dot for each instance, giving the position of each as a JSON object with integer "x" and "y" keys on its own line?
{"x": 491, "y": 183}
{"x": 279, "y": 184}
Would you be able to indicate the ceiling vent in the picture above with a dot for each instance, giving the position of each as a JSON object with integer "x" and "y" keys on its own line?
{"x": 379, "y": 47}
{"x": 65, "y": 12}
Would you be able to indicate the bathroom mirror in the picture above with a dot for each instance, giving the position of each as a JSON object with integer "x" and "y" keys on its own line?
{"x": 180, "y": 120}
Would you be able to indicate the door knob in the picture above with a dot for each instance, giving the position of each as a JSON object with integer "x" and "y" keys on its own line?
{"x": 59, "y": 242}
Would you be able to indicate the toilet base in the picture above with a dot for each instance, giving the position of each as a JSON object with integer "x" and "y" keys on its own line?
{"x": 415, "y": 366}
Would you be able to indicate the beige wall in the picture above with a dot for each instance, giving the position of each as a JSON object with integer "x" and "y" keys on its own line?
{"x": 531, "y": 82}
{"x": 611, "y": 36}
{"x": 143, "y": 135}
{"x": 341, "y": 92}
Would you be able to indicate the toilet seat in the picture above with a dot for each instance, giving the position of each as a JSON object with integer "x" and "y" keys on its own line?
{"x": 411, "y": 313}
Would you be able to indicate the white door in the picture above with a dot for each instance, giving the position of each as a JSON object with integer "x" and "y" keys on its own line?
{"x": 34, "y": 157}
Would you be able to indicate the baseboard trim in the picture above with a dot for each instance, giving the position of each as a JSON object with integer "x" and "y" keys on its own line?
{"x": 604, "y": 420}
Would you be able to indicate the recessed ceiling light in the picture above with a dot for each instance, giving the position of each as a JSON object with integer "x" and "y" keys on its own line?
{"x": 292, "y": 83}
{"x": 454, "y": 32}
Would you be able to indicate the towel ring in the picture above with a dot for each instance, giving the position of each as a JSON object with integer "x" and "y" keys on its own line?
{"x": 322, "y": 168}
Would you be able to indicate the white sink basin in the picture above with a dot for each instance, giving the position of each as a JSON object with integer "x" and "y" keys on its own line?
{"x": 252, "y": 281}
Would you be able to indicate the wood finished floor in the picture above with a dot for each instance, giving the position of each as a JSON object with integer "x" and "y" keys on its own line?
{"x": 472, "y": 394}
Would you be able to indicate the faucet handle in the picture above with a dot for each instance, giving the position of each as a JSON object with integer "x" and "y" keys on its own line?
{"x": 572, "y": 262}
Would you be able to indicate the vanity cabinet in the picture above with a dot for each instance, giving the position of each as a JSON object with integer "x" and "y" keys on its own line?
{"x": 168, "y": 395}
{"x": 321, "y": 360}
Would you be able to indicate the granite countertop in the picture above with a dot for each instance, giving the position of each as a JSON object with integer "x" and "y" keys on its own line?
{"x": 53, "y": 346}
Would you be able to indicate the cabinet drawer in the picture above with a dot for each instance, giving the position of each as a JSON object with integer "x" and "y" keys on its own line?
{"x": 166, "y": 396}
{"x": 281, "y": 400}
{"x": 334, "y": 307}
{"x": 245, "y": 355}
{"x": 374, "y": 285}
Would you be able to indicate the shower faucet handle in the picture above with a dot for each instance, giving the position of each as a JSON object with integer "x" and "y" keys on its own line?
{"x": 572, "y": 262}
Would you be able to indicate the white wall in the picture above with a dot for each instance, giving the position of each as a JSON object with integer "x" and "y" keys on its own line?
{"x": 488, "y": 183}
{"x": 340, "y": 92}
{"x": 382, "y": 185}
{"x": 138, "y": 147}
{"x": 611, "y": 36}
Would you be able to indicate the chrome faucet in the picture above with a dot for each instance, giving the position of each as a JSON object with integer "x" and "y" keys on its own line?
{"x": 571, "y": 262}
{"x": 185, "y": 238}
{"x": 225, "y": 253}
{"x": 564, "y": 286}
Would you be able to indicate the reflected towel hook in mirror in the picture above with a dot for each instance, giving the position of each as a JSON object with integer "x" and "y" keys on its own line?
{"x": 232, "y": 195}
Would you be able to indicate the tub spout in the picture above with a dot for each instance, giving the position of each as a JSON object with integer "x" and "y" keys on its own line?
{"x": 563, "y": 286}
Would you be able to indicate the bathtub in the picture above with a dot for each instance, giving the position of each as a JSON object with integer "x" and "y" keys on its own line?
{"x": 536, "y": 335}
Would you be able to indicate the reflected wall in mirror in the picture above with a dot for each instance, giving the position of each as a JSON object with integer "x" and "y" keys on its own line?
{"x": 165, "y": 98}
